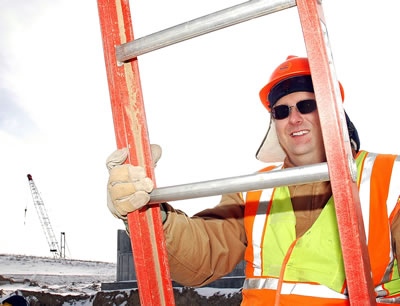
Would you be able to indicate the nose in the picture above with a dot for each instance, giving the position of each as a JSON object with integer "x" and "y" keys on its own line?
{"x": 295, "y": 116}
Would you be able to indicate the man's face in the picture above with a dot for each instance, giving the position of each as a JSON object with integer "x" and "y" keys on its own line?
{"x": 299, "y": 134}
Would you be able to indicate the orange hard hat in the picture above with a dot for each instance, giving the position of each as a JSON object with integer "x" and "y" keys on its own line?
{"x": 293, "y": 66}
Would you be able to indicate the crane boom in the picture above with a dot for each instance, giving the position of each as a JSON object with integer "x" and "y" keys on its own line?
{"x": 44, "y": 218}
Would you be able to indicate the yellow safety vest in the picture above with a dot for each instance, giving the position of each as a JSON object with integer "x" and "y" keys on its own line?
{"x": 313, "y": 265}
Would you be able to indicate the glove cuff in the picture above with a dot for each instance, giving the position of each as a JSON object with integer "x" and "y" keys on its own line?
{"x": 163, "y": 210}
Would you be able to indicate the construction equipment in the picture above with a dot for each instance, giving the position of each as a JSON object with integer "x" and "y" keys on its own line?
{"x": 45, "y": 222}
{"x": 63, "y": 244}
{"x": 121, "y": 50}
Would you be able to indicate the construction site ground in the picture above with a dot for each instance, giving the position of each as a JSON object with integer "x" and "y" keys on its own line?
{"x": 50, "y": 281}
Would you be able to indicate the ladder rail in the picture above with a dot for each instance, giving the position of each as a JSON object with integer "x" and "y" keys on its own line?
{"x": 200, "y": 26}
{"x": 338, "y": 153}
{"x": 130, "y": 126}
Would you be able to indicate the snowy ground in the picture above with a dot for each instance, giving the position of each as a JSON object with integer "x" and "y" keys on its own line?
{"x": 62, "y": 276}
{"x": 49, "y": 281}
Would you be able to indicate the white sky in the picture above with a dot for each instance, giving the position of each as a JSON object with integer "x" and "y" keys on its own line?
{"x": 201, "y": 100}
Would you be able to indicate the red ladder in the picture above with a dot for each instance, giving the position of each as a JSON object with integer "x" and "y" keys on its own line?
{"x": 342, "y": 169}
{"x": 147, "y": 236}
{"x": 145, "y": 226}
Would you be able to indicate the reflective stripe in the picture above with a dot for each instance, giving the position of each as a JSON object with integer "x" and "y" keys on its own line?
{"x": 394, "y": 188}
{"x": 365, "y": 187}
{"x": 259, "y": 222}
{"x": 258, "y": 227}
{"x": 293, "y": 288}
{"x": 380, "y": 291}
{"x": 391, "y": 202}
{"x": 388, "y": 272}
{"x": 393, "y": 300}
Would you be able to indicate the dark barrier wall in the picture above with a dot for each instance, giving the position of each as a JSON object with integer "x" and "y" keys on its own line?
{"x": 126, "y": 268}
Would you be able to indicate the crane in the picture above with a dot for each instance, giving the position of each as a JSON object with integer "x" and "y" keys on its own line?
{"x": 44, "y": 219}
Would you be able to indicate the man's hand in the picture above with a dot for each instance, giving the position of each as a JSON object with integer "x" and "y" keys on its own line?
{"x": 128, "y": 186}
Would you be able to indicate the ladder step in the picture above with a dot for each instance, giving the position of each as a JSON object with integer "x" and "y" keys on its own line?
{"x": 257, "y": 181}
{"x": 199, "y": 26}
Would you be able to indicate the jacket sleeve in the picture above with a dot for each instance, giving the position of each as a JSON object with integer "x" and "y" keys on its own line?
{"x": 208, "y": 245}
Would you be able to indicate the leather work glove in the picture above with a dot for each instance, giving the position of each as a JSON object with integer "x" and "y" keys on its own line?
{"x": 128, "y": 186}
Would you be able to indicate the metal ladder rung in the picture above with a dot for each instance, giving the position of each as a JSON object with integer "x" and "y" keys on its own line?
{"x": 257, "y": 181}
{"x": 200, "y": 26}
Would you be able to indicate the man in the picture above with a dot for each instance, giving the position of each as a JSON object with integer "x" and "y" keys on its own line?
{"x": 14, "y": 300}
{"x": 287, "y": 235}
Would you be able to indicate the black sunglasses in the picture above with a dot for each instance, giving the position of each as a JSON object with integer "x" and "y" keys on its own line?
{"x": 283, "y": 111}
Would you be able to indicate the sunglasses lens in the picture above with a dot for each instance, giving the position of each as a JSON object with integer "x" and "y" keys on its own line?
{"x": 280, "y": 112}
{"x": 306, "y": 106}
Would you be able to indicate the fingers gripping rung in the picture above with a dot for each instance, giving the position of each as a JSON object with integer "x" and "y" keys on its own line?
{"x": 199, "y": 26}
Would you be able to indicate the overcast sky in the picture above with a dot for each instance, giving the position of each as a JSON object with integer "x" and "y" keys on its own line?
{"x": 201, "y": 99}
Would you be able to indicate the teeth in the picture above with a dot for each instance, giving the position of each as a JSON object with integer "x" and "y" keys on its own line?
{"x": 299, "y": 133}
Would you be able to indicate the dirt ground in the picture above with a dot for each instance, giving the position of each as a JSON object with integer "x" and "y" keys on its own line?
{"x": 184, "y": 297}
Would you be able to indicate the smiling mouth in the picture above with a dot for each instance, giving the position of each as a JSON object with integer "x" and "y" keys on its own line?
{"x": 299, "y": 133}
